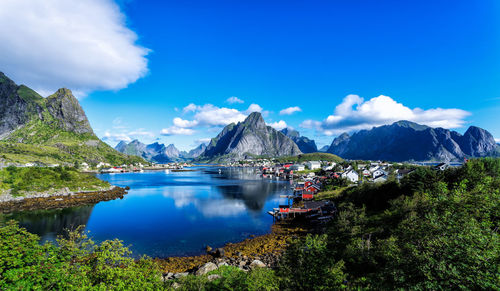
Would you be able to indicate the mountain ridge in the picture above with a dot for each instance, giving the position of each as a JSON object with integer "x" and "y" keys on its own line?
{"x": 158, "y": 153}
{"x": 409, "y": 141}
{"x": 305, "y": 144}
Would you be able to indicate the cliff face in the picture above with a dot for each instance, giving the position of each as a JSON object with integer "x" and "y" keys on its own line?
{"x": 305, "y": 144}
{"x": 64, "y": 107}
{"x": 406, "y": 141}
{"x": 250, "y": 137}
{"x": 18, "y": 105}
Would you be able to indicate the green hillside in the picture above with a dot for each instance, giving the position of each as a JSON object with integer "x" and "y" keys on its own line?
{"x": 52, "y": 130}
{"x": 311, "y": 157}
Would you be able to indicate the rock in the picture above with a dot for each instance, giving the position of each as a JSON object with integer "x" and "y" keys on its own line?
{"x": 251, "y": 136}
{"x": 222, "y": 264}
{"x": 208, "y": 267}
{"x": 242, "y": 263}
{"x": 239, "y": 254}
{"x": 180, "y": 275}
{"x": 168, "y": 276}
{"x": 257, "y": 264}
{"x": 219, "y": 253}
{"x": 176, "y": 285}
{"x": 213, "y": 277}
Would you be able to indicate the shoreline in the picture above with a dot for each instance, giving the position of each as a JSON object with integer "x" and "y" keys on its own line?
{"x": 266, "y": 248}
{"x": 64, "y": 199}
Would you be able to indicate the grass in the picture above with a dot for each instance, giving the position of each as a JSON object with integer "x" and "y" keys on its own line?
{"x": 38, "y": 179}
{"x": 311, "y": 157}
{"x": 330, "y": 194}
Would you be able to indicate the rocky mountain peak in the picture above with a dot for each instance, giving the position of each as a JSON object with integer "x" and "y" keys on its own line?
{"x": 305, "y": 144}
{"x": 18, "y": 106}
{"x": 255, "y": 120}
{"x": 409, "y": 124}
{"x": 251, "y": 137}
{"x": 63, "y": 106}
{"x": 290, "y": 132}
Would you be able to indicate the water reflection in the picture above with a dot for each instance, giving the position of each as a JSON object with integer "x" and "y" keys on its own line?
{"x": 176, "y": 213}
{"x": 48, "y": 224}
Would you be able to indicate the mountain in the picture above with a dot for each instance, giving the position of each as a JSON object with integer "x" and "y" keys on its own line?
{"x": 157, "y": 152}
{"x": 252, "y": 137}
{"x": 196, "y": 152}
{"x": 48, "y": 130}
{"x": 305, "y": 145}
{"x": 324, "y": 149}
{"x": 409, "y": 141}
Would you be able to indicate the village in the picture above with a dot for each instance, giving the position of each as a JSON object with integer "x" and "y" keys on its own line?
{"x": 312, "y": 177}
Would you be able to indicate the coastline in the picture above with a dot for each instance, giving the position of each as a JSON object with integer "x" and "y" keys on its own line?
{"x": 266, "y": 248}
{"x": 58, "y": 199}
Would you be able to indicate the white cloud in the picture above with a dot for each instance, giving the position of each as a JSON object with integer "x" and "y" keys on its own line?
{"x": 497, "y": 140}
{"x": 234, "y": 99}
{"x": 179, "y": 122}
{"x": 203, "y": 140}
{"x": 127, "y": 136}
{"x": 256, "y": 108}
{"x": 279, "y": 125}
{"x": 116, "y": 137}
{"x": 189, "y": 108}
{"x": 141, "y": 133}
{"x": 82, "y": 45}
{"x": 354, "y": 113}
{"x": 210, "y": 117}
{"x": 174, "y": 130}
{"x": 290, "y": 110}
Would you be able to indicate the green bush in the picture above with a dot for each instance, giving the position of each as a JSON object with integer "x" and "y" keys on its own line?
{"x": 43, "y": 179}
{"x": 76, "y": 263}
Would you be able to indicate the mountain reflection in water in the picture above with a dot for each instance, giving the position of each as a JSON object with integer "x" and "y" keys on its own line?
{"x": 170, "y": 214}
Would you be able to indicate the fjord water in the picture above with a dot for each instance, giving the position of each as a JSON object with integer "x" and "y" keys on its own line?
{"x": 171, "y": 214}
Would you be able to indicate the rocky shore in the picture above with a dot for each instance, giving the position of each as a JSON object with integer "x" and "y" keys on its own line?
{"x": 58, "y": 199}
{"x": 259, "y": 251}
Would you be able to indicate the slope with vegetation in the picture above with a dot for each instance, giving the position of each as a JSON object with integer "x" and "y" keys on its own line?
{"x": 36, "y": 179}
{"x": 48, "y": 130}
{"x": 310, "y": 157}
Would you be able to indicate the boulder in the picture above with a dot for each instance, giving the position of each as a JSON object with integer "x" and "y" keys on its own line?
{"x": 257, "y": 264}
{"x": 213, "y": 277}
{"x": 180, "y": 275}
{"x": 219, "y": 253}
{"x": 222, "y": 264}
{"x": 208, "y": 267}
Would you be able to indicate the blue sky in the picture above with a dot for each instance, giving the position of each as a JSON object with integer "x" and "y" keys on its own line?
{"x": 346, "y": 65}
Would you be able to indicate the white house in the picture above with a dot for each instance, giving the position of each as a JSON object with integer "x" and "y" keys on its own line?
{"x": 101, "y": 164}
{"x": 442, "y": 166}
{"x": 351, "y": 175}
{"x": 297, "y": 167}
{"x": 313, "y": 165}
{"x": 378, "y": 172}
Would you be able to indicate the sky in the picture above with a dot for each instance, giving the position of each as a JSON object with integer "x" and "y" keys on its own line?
{"x": 179, "y": 71}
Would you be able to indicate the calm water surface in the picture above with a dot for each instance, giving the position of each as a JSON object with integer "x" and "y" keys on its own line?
{"x": 172, "y": 214}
